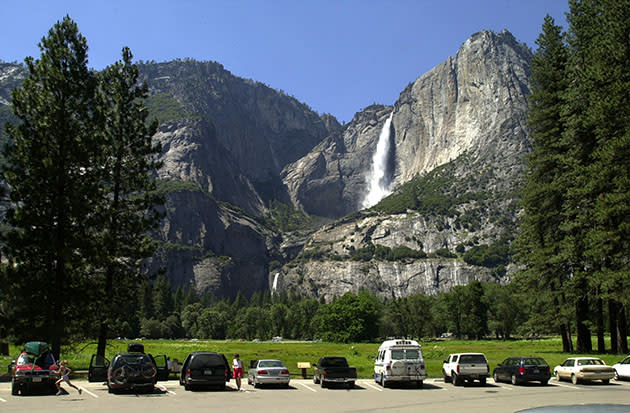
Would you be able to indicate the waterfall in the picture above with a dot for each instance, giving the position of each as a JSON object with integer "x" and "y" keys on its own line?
{"x": 274, "y": 286}
{"x": 377, "y": 180}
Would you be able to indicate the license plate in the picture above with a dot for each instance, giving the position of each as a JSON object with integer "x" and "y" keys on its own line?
{"x": 536, "y": 371}
{"x": 207, "y": 372}
{"x": 37, "y": 379}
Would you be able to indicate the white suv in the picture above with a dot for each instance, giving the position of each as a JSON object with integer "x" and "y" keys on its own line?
{"x": 399, "y": 361}
{"x": 462, "y": 367}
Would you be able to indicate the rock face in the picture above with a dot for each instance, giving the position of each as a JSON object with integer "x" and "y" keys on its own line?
{"x": 473, "y": 103}
{"x": 459, "y": 138}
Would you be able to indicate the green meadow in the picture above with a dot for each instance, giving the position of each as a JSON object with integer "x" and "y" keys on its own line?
{"x": 359, "y": 355}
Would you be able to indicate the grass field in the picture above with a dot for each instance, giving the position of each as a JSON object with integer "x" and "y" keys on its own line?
{"x": 359, "y": 355}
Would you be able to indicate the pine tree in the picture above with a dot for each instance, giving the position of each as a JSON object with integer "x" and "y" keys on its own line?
{"x": 54, "y": 187}
{"x": 541, "y": 236}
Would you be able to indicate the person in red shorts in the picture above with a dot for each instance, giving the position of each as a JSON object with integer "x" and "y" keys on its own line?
{"x": 237, "y": 368}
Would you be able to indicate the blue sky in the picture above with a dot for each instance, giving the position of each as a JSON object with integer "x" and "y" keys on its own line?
{"x": 336, "y": 56}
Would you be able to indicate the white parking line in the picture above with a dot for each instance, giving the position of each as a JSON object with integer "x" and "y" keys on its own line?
{"x": 302, "y": 384}
{"x": 88, "y": 392}
{"x": 159, "y": 386}
{"x": 2, "y": 400}
{"x": 564, "y": 385}
{"x": 372, "y": 386}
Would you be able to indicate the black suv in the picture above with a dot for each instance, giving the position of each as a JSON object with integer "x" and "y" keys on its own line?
{"x": 133, "y": 370}
{"x": 205, "y": 369}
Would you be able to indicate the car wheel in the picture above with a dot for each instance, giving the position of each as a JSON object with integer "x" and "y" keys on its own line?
{"x": 350, "y": 384}
{"x": 544, "y": 382}
{"x": 322, "y": 383}
{"x": 447, "y": 379}
{"x": 514, "y": 380}
{"x": 456, "y": 379}
{"x": 419, "y": 384}
{"x": 482, "y": 381}
{"x": 616, "y": 375}
{"x": 574, "y": 379}
{"x": 495, "y": 377}
{"x": 15, "y": 389}
{"x": 606, "y": 381}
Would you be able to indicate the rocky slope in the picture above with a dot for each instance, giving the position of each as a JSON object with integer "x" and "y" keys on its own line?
{"x": 459, "y": 138}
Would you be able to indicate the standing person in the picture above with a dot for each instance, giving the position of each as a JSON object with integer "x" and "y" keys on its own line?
{"x": 64, "y": 371}
{"x": 237, "y": 368}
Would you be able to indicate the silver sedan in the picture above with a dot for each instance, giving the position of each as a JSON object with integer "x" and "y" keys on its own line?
{"x": 268, "y": 372}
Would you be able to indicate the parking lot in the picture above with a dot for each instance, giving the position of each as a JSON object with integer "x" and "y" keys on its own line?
{"x": 305, "y": 396}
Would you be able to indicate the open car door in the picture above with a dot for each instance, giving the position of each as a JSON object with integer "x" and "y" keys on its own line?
{"x": 161, "y": 364}
{"x": 98, "y": 369}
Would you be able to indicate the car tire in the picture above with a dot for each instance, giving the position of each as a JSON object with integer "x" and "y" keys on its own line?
{"x": 322, "y": 384}
{"x": 514, "y": 380}
{"x": 495, "y": 377}
{"x": 351, "y": 385}
{"x": 447, "y": 379}
{"x": 186, "y": 387}
{"x": 574, "y": 379}
{"x": 15, "y": 389}
{"x": 606, "y": 381}
{"x": 419, "y": 384}
{"x": 544, "y": 382}
{"x": 456, "y": 379}
{"x": 482, "y": 381}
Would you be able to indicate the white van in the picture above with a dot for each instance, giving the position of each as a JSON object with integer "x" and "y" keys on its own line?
{"x": 399, "y": 361}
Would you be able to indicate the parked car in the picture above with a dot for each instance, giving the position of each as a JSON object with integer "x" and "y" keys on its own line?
{"x": 579, "y": 369}
{"x": 133, "y": 370}
{"x": 399, "y": 361}
{"x": 522, "y": 369}
{"x": 461, "y": 367}
{"x": 334, "y": 370}
{"x": 268, "y": 372}
{"x": 35, "y": 369}
{"x": 205, "y": 369}
{"x": 622, "y": 369}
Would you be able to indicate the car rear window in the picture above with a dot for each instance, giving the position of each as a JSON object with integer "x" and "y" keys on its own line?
{"x": 131, "y": 359}
{"x": 270, "y": 363}
{"x": 472, "y": 359}
{"x": 334, "y": 362}
{"x": 405, "y": 354}
{"x": 202, "y": 360}
{"x": 590, "y": 362}
{"x": 534, "y": 362}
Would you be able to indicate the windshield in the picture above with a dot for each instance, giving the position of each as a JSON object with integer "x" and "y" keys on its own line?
{"x": 405, "y": 355}
{"x": 270, "y": 363}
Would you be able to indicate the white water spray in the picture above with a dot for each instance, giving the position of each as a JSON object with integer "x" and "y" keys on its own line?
{"x": 378, "y": 187}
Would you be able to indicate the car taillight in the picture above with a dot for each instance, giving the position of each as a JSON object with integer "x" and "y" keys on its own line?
{"x": 521, "y": 370}
{"x": 227, "y": 373}
{"x": 457, "y": 368}
{"x": 262, "y": 372}
{"x": 388, "y": 367}
{"x": 422, "y": 366}
{"x": 325, "y": 373}
{"x": 188, "y": 373}
{"x": 110, "y": 374}
{"x": 548, "y": 370}
{"x": 285, "y": 372}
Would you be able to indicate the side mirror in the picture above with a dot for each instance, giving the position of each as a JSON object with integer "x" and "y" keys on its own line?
{"x": 445, "y": 361}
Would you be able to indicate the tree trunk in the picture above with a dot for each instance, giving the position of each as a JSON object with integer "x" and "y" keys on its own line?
{"x": 565, "y": 333}
{"x": 612, "y": 322}
{"x": 584, "y": 344}
{"x": 622, "y": 330}
{"x": 601, "y": 344}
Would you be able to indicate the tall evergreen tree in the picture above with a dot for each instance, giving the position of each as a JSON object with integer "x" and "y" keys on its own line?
{"x": 541, "y": 236}
{"x": 128, "y": 206}
{"x": 54, "y": 188}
